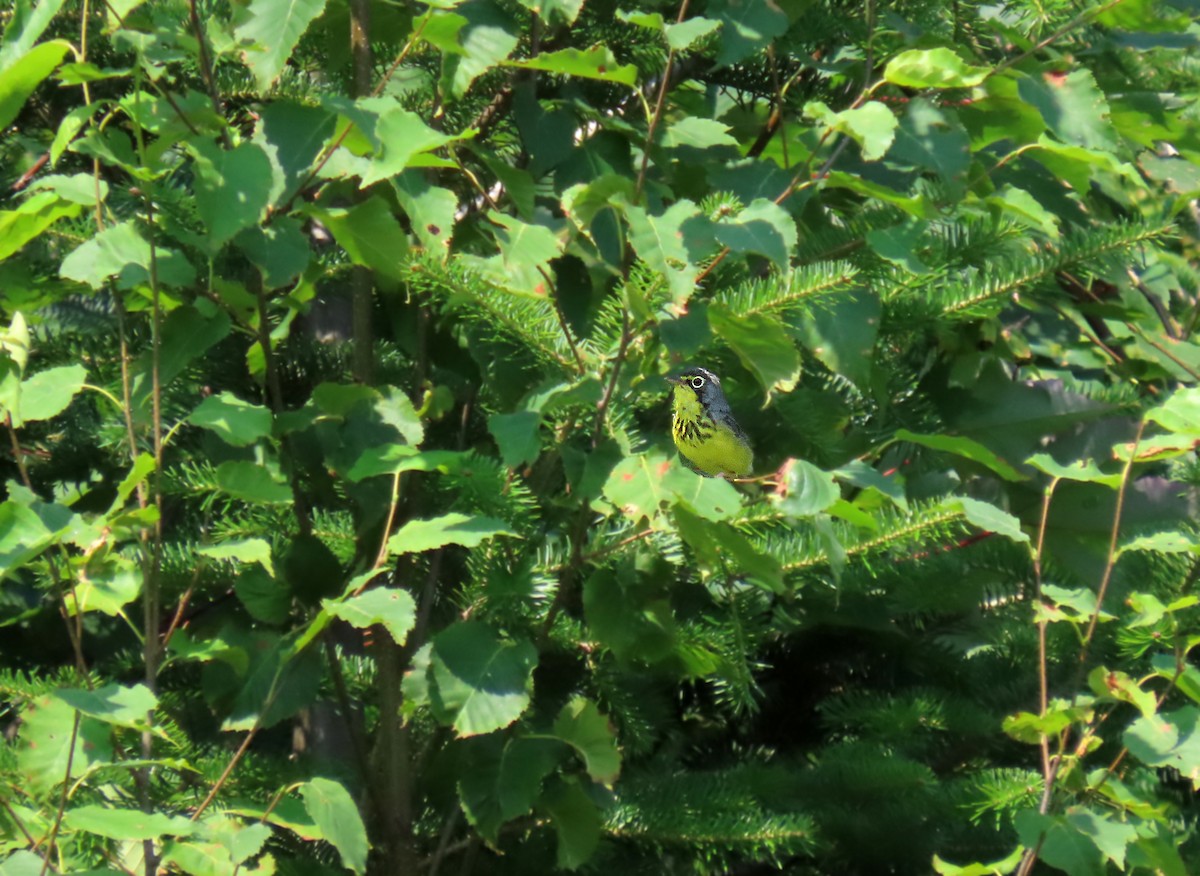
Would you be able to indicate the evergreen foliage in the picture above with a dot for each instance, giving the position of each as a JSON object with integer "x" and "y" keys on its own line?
{"x": 343, "y": 529}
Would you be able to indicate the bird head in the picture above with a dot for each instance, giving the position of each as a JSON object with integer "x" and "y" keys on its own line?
{"x": 699, "y": 383}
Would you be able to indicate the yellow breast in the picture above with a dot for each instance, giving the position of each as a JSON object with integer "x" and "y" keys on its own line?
{"x": 711, "y": 447}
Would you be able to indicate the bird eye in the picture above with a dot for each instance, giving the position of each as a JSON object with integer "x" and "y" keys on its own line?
{"x": 697, "y": 382}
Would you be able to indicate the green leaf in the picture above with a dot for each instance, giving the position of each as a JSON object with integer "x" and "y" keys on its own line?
{"x": 278, "y": 684}
{"x": 390, "y": 607}
{"x": 237, "y": 422}
{"x": 279, "y": 250}
{"x": 233, "y": 188}
{"x": 488, "y": 37}
{"x": 996, "y": 868}
{"x": 198, "y": 858}
{"x": 332, "y": 808}
{"x": 265, "y": 598}
{"x": 417, "y": 536}
{"x": 932, "y": 138}
{"x": 107, "y": 589}
{"x": 576, "y": 821}
{"x": 581, "y": 725}
{"x": 246, "y": 550}
{"x": 252, "y": 483}
{"x": 78, "y": 188}
{"x": 395, "y": 408}
{"x": 683, "y": 35}
{"x": 1118, "y": 685}
{"x": 725, "y": 551}
{"x": 120, "y": 252}
{"x": 1171, "y": 542}
{"x": 761, "y": 344}
{"x": 933, "y": 68}
{"x": 524, "y": 248}
{"x": 841, "y": 334}
{"x": 1168, "y": 739}
{"x": 400, "y": 136}
{"x": 47, "y": 393}
{"x": 23, "y": 536}
{"x": 292, "y": 136}
{"x": 1074, "y": 605}
{"x": 1180, "y": 413}
{"x": 872, "y": 125}
{"x": 988, "y": 517}
{"x": 22, "y": 863}
{"x": 806, "y": 490}
{"x": 1024, "y": 208}
{"x": 369, "y": 234}
{"x": 748, "y": 26}
{"x": 187, "y": 334}
{"x": 431, "y": 210}
{"x": 142, "y": 466}
{"x": 1073, "y": 106}
{"x": 662, "y": 243}
{"x": 23, "y": 29}
{"x": 35, "y": 215}
{"x": 502, "y": 782}
{"x": 1079, "y": 470}
{"x": 44, "y": 745}
{"x": 697, "y": 132}
{"x": 113, "y": 704}
{"x": 21, "y": 76}
{"x": 1077, "y": 842}
{"x": 899, "y": 244}
{"x": 597, "y": 62}
{"x": 517, "y": 436}
{"x": 127, "y": 824}
{"x": 645, "y": 485}
{"x": 481, "y": 682}
{"x": 964, "y": 447}
{"x": 393, "y": 459}
{"x": 272, "y": 28}
{"x": 763, "y": 228}
{"x": 863, "y": 476}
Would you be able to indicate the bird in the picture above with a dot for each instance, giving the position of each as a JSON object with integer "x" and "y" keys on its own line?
{"x": 709, "y": 439}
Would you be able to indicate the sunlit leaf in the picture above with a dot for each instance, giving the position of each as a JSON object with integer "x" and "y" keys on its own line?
{"x": 932, "y": 68}
{"x": 461, "y": 529}
{"x": 272, "y": 28}
{"x": 480, "y": 681}
{"x": 332, "y": 808}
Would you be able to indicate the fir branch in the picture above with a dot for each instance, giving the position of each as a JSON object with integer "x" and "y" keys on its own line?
{"x": 1085, "y": 247}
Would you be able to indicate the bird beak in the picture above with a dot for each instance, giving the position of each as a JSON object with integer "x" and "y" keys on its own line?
{"x": 678, "y": 381}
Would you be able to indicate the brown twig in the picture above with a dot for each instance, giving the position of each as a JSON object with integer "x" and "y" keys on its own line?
{"x": 656, "y": 115}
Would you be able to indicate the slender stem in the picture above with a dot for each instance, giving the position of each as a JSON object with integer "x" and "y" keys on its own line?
{"x": 1080, "y": 19}
{"x": 663, "y": 86}
{"x": 1055, "y": 764}
{"x": 357, "y": 741}
{"x": 562, "y": 319}
{"x": 62, "y": 800}
{"x": 1043, "y": 673}
{"x": 206, "y": 70}
{"x": 229, "y": 767}
{"x": 610, "y": 388}
{"x": 1111, "y": 561}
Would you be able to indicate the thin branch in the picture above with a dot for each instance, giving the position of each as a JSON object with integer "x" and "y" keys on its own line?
{"x": 663, "y": 86}
{"x": 1080, "y": 19}
{"x": 206, "y": 71}
{"x": 562, "y": 319}
{"x": 1111, "y": 561}
{"x": 62, "y": 800}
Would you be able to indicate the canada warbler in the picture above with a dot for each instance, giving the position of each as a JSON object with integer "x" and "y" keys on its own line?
{"x": 708, "y": 437}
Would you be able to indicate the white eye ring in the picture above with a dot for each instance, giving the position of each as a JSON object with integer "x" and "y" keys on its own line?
{"x": 697, "y": 382}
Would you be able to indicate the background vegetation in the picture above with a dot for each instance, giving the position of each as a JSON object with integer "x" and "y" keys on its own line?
{"x": 343, "y": 529}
